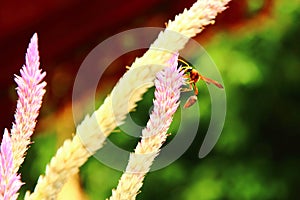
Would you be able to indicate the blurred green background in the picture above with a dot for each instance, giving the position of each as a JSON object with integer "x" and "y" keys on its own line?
{"x": 257, "y": 154}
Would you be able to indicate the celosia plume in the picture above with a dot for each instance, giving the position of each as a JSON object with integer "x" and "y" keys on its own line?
{"x": 168, "y": 83}
{"x": 30, "y": 93}
{"x": 9, "y": 181}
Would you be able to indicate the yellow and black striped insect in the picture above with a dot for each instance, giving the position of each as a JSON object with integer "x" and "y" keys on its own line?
{"x": 193, "y": 76}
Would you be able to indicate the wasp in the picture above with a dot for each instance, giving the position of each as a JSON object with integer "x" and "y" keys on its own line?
{"x": 193, "y": 76}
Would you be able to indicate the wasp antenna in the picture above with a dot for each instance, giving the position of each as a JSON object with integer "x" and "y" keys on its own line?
{"x": 184, "y": 62}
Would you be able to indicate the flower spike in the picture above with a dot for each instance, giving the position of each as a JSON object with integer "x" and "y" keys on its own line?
{"x": 10, "y": 182}
{"x": 30, "y": 93}
{"x": 168, "y": 83}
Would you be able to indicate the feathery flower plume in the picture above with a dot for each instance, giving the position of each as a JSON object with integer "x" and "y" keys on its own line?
{"x": 142, "y": 72}
{"x": 30, "y": 92}
{"x": 167, "y": 93}
{"x": 9, "y": 181}
{"x": 95, "y": 128}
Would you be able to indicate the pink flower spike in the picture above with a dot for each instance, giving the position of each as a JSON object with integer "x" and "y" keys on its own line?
{"x": 30, "y": 93}
{"x": 9, "y": 181}
{"x": 167, "y": 92}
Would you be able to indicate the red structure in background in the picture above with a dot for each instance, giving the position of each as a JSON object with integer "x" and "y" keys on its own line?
{"x": 69, "y": 29}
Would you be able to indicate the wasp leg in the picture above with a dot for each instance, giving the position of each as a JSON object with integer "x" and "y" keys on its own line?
{"x": 187, "y": 89}
{"x": 195, "y": 89}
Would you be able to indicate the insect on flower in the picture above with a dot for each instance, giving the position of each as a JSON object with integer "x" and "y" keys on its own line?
{"x": 193, "y": 76}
